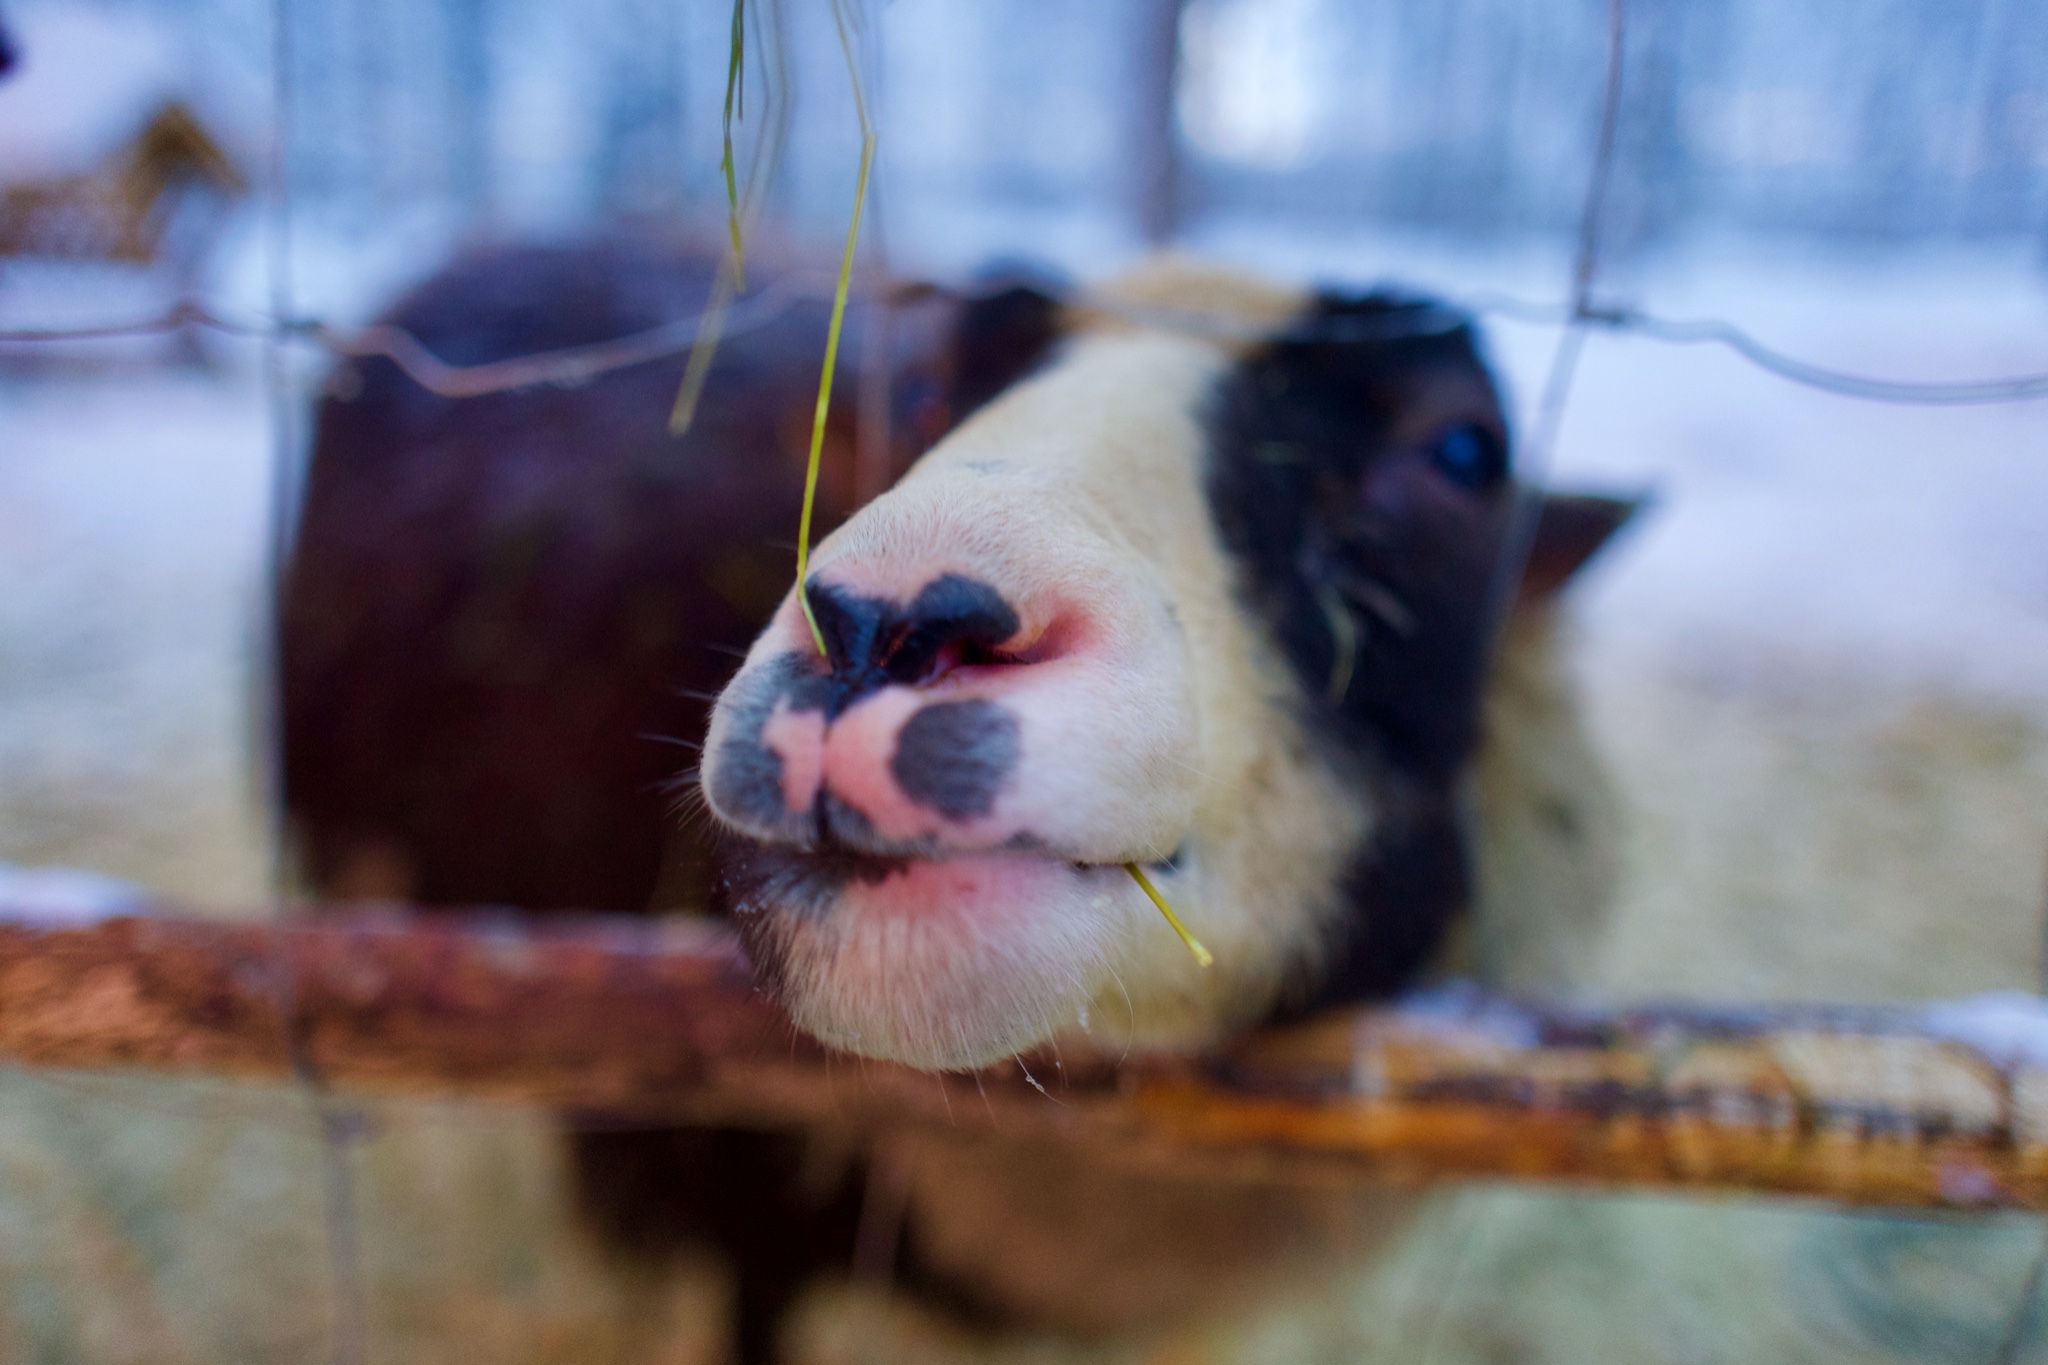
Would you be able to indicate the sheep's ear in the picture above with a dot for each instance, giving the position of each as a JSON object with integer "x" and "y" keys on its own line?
{"x": 1001, "y": 333}
{"x": 951, "y": 352}
{"x": 1569, "y": 531}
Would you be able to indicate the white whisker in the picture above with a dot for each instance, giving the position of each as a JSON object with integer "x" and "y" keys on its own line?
{"x": 1130, "y": 1012}
{"x": 984, "y": 1100}
{"x": 1033, "y": 1080}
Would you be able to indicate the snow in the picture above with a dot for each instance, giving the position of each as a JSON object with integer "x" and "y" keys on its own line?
{"x": 131, "y": 548}
{"x": 88, "y": 80}
{"x": 2008, "y": 1028}
{"x": 1459, "y": 1012}
{"x": 65, "y": 895}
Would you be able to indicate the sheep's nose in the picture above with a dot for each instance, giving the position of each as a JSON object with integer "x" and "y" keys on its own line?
{"x": 872, "y": 642}
{"x": 963, "y": 715}
{"x": 866, "y": 737}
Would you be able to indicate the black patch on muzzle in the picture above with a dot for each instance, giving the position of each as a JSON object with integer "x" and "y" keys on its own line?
{"x": 956, "y": 756}
{"x": 871, "y": 642}
{"x": 1378, "y": 603}
{"x": 747, "y": 780}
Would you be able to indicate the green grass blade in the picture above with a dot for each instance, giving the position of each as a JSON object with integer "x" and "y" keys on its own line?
{"x": 1202, "y": 956}
{"x": 803, "y": 532}
{"x": 702, "y": 350}
{"x": 860, "y": 199}
{"x": 735, "y": 107}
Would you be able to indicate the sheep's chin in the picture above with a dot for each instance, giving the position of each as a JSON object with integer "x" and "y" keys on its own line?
{"x": 942, "y": 965}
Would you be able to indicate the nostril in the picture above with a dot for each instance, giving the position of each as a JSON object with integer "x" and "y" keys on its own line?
{"x": 954, "y": 622}
{"x": 856, "y": 629}
{"x": 914, "y": 667}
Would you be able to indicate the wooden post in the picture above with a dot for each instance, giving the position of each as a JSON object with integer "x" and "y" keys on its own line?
{"x": 1940, "y": 1105}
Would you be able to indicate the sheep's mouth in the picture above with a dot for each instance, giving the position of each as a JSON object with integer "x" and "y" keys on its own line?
{"x": 766, "y": 878}
{"x": 942, "y": 963}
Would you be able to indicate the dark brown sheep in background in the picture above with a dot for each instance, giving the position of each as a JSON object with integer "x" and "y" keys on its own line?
{"x": 503, "y": 612}
{"x": 505, "y": 616}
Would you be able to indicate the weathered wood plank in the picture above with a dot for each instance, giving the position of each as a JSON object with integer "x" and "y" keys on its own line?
{"x": 1941, "y": 1105}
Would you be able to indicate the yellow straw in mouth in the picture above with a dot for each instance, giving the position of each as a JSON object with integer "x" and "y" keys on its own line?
{"x": 1145, "y": 884}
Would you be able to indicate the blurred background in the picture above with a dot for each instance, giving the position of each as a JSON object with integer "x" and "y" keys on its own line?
{"x": 1818, "y": 668}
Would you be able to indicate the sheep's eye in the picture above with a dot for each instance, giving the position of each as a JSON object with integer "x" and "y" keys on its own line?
{"x": 1470, "y": 457}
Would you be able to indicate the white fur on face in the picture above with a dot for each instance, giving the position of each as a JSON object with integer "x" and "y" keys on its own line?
{"x": 954, "y": 963}
{"x": 1152, "y": 719}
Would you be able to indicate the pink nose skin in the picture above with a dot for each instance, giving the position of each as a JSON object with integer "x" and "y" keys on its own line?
{"x": 797, "y": 739}
{"x": 851, "y": 759}
{"x": 858, "y": 772}
{"x": 893, "y": 742}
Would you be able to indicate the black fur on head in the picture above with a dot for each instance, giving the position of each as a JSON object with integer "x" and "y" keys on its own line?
{"x": 1363, "y": 485}
{"x": 1359, "y": 474}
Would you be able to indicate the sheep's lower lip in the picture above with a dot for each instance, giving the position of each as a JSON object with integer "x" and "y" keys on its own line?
{"x": 940, "y": 963}
{"x": 771, "y": 877}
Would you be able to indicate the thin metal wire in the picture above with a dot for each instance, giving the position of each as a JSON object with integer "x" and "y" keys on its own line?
{"x": 1715, "y": 331}
{"x": 184, "y": 313}
{"x": 2023, "y": 1312}
{"x": 568, "y": 367}
{"x": 1474, "y": 1205}
{"x": 1535, "y": 457}
{"x": 874, "y": 436}
{"x": 1593, "y": 217}
{"x": 1534, "y": 463}
{"x": 339, "y": 1126}
{"x": 2015, "y": 1334}
{"x": 581, "y": 364}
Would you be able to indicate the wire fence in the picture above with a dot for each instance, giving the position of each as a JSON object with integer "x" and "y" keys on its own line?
{"x": 341, "y": 1127}
{"x": 581, "y": 364}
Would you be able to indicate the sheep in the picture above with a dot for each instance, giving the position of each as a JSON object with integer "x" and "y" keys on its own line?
{"x": 1214, "y": 603}
{"x": 503, "y": 614}
{"x": 471, "y": 663}
{"x": 1216, "y": 606}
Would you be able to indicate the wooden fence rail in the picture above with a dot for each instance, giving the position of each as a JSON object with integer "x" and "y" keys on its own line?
{"x": 1937, "y": 1105}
